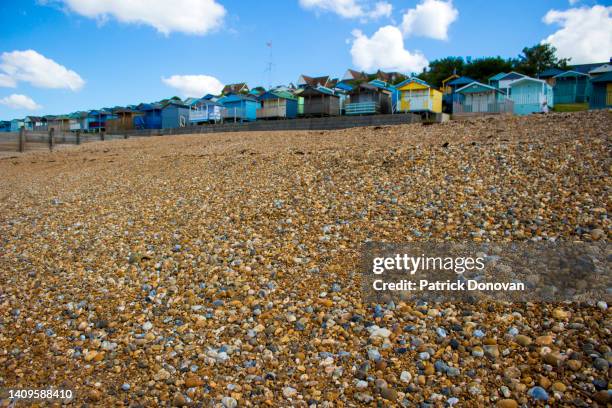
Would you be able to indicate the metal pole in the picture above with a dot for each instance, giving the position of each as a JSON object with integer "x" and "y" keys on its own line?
{"x": 78, "y": 137}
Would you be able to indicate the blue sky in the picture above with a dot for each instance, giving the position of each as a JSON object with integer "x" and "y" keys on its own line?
{"x": 123, "y": 62}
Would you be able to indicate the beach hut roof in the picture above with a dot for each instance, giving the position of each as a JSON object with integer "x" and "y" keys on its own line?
{"x": 277, "y": 93}
{"x": 497, "y": 77}
{"x": 570, "y": 74}
{"x": 550, "y": 72}
{"x": 476, "y": 86}
{"x": 463, "y": 80}
{"x": 602, "y": 69}
{"x": 586, "y": 68}
{"x": 238, "y": 87}
{"x": 607, "y": 77}
{"x": 310, "y": 90}
{"x": 413, "y": 79}
{"x": 526, "y": 79}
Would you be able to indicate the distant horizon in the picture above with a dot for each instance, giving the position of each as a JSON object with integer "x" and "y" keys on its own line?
{"x": 63, "y": 56}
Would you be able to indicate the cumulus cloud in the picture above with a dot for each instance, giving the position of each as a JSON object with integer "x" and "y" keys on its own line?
{"x": 18, "y": 101}
{"x": 37, "y": 70}
{"x": 187, "y": 16}
{"x": 194, "y": 85}
{"x": 385, "y": 50}
{"x": 430, "y": 18}
{"x": 6, "y": 81}
{"x": 585, "y": 34}
{"x": 362, "y": 9}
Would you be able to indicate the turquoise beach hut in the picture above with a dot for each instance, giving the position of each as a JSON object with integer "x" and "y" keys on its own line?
{"x": 239, "y": 107}
{"x": 571, "y": 87}
{"x": 530, "y": 95}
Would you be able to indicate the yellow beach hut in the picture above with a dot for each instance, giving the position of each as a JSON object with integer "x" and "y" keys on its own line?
{"x": 417, "y": 95}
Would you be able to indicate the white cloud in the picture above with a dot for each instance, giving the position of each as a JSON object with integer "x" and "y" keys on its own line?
{"x": 187, "y": 16}
{"x": 572, "y": 2}
{"x": 36, "y": 69}
{"x": 385, "y": 50}
{"x": 194, "y": 85}
{"x": 381, "y": 9}
{"x": 585, "y": 34}
{"x": 18, "y": 101}
{"x": 7, "y": 81}
{"x": 362, "y": 9}
{"x": 430, "y": 18}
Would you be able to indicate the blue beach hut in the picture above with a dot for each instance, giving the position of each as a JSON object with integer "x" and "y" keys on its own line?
{"x": 174, "y": 114}
{"x": 239, "y": 107}
{"x": 530, "y": 95}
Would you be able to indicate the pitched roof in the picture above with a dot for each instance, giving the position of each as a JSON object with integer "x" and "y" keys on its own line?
{"x": 475, "y": 86}
{"x": 355, "y": 74}
{"x": 550, "y": 72}
{"x": 525, "y": 79}
{"x": 309, "y": 90}
{"x": 513, "y": 75}
{"x": 602, "y": 69}
{"x": 499, "y": 76}
{"x": 585, "y": 68}
{"x": 390, "y": 76}
{"x": 314, "y": 81}
{"x": 463, "y": 80}
{"x": 277, "y": 93}
{"x": 570, "y": 74}
{"x": 412, "y": 79}
{"x": 607, "y": 77}
{"x": 238, "y": 87}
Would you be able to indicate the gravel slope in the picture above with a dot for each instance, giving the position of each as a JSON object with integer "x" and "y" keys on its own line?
{"x": 222, "y": 268}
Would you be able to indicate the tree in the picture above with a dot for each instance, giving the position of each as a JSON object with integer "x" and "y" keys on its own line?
{"x": 441, "y": 69}
{"x": 538, "y": 58}
{"x": 482, "y": 69}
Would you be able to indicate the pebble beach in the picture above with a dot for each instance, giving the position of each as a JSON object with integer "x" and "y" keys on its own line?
{"x": 223, "y": 269}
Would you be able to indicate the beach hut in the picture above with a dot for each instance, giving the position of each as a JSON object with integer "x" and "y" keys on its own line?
{"x": 174, "y": 114}
{"x": 478, "y": 98}
{"x": 96, "y": 119}
{"x": 205, "y": 111}
{"x": 240, "y": 108}
{"x": 122, "y": 119}
{"x": 277, "y": 104}
{"x": 59, "y": 123}
{"x": 601, "y": 91}
{"x": 530, "y": 95}
{"x": 78, "y": 121}
{"x": 35, "y": 123}
{"x": 5, "y": 125}
{"x": 389, "y": 87}
{"x": 367, "y": 99}
{"x": 571, "y": 87}
{"x": 16, "y": 125}
{"x": 418, "y": 96}
{"x": 320, "y": 101}
{"x": 151, "y": 118}
{"x": 449, "y": 89}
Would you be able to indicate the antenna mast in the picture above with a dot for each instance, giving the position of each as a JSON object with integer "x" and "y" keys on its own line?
{"x": 269, "y": 65}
